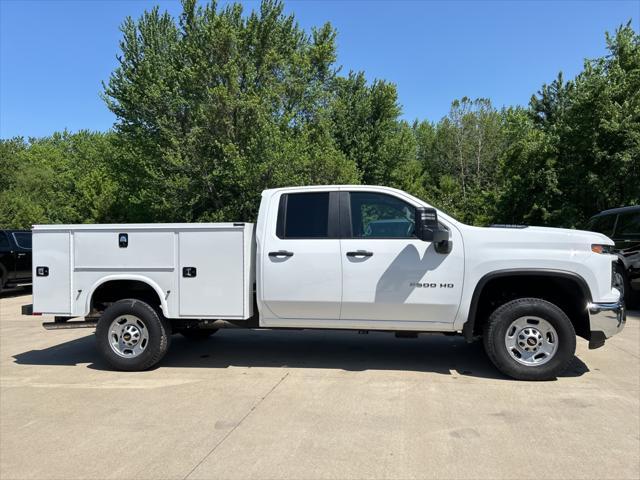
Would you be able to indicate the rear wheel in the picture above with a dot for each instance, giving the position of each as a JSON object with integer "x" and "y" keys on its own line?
{"x": 132, "y": 336}
{"x": 530, "y": 339}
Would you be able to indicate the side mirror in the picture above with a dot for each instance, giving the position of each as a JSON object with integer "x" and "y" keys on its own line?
{"x": 428, "y": 229}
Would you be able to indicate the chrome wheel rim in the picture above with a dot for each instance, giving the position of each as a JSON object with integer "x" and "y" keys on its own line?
{"x": 128, "y": 336}
{"x": 531, "y": 341}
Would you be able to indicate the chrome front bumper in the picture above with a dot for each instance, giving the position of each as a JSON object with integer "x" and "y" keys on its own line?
{"x": 605, "y": 320}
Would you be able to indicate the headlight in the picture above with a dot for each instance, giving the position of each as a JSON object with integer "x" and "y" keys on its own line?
{"x": 597, "y": 248}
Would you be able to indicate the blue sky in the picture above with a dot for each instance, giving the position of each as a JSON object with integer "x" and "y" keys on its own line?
{"x": 54, "y": 54}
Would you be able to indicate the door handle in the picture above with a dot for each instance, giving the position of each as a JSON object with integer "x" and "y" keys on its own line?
{"x": 20, "y": 255}
{"x": 281, "y": 253}
{"x": 360, "y": 253}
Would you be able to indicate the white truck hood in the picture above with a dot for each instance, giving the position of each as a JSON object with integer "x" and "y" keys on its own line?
{"x": 554, "y": 234}
{"x": 534, "y": 238}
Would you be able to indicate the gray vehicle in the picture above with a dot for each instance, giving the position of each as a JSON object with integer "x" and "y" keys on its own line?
{"x": 622, "y": 225}
{"x": 15, "y": 258}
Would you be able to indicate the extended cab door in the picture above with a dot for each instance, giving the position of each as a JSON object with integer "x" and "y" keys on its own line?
{"x": 391, "y": 279}
{"x": 301, "y": 266}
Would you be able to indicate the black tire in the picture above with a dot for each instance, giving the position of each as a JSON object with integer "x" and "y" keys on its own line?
{"x": 158, "y": 333}
{"x": 621, "y": 282}
{"x": 495, "y": 331}
{"x": 197, "y": 334}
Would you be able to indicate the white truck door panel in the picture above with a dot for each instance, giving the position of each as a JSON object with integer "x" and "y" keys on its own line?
{"x": 305, "y": 285}
{"x": 216, "y": 286}
{"x": 52, "y": 292}
{"x": 403, "y": 280}
{"x": 389, "y": 274}
{"x": 301, "y": 269}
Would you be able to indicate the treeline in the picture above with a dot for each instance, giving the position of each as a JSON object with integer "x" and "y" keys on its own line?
{"x": 217, "y": 105}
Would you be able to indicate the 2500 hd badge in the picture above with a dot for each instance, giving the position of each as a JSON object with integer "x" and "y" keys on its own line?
{"x": 431, "y": 285}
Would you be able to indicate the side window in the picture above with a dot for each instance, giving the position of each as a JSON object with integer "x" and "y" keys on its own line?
{"x": 4, "y": 242}
{"x": 603, "y": 224}
{"x": 376, "y": 215}
{"x": 23, "y": 239}
{"x": 629, "y": 225}
{"x": 304, "y": 215}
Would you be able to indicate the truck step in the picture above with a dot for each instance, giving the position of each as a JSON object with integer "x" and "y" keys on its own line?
{"x": 68, "y": 325}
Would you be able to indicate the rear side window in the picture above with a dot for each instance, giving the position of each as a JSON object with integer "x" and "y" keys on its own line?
{"x": 629, "y": 225}
{"x": 4, "y": 242}
{"x": 304, "y": 215}
{"x": 22, "y": 239}
{"x": 603, "y": 224}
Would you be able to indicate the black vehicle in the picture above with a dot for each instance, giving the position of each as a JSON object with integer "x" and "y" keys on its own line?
{"x": 622, "y": 225}
{"x": 15, "y": 258}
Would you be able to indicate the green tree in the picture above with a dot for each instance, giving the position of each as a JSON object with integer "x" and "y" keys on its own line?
{"x": 217, "y": 106}
{"x": 367, "y": 129}
{"x": 65, "y": 178}
{"x": 593, "y": 125}
{"x": 528, "y": 182}
{"x": 459, "y": 156}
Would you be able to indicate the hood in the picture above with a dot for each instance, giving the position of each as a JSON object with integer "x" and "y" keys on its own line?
{"x": 585, "y": 235}
{"x": 541, "y": 236}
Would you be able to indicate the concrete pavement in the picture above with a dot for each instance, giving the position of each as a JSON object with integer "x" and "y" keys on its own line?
{"x": 316, "y": 405}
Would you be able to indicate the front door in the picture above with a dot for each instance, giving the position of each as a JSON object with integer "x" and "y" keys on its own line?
{"x": 389, "y": 275}
{"x": 301, "y": 277}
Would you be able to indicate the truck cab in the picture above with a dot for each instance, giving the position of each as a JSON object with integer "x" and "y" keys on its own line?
{"x": 352, "y": 257}
{"x": 337, "y": 257}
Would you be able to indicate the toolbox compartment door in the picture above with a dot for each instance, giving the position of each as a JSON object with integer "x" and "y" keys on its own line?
{"x": 212, "y": 272}
{"x": 51, "y": 272}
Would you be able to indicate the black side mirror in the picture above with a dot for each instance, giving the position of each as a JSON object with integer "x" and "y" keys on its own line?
{"x": 428, "y": 229}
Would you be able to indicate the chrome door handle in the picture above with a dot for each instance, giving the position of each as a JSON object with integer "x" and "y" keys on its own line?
{"x": 360, "y": 253}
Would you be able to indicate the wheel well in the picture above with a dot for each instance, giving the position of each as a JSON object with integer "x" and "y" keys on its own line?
{"x": 568, "y": 293}
{"x": 114, "y": 290}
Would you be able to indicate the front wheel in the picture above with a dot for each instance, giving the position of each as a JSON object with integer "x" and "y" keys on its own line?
{"x": 132, "y": 336}
{"x": 530, "y": 339}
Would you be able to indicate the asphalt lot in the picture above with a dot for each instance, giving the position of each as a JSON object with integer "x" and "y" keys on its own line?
{"x": 287, "y": 404}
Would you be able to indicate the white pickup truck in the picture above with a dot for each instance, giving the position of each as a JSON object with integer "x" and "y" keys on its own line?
{"x": 331, "y": 257}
